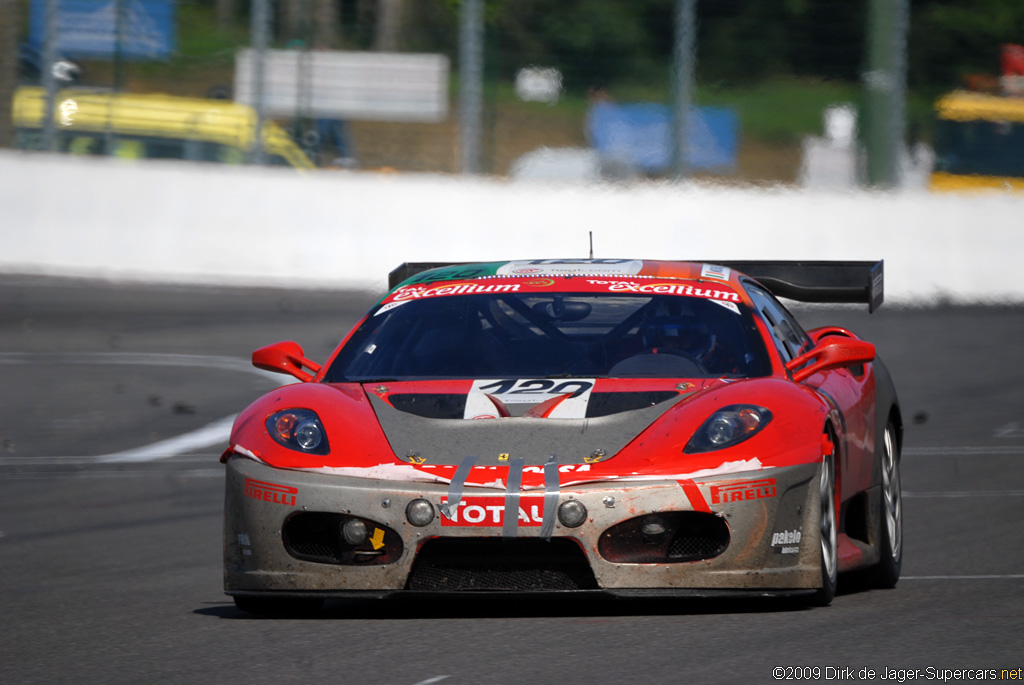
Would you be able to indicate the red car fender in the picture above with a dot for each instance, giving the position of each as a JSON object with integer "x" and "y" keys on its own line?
{"x": 347, "y": 418}
{"x": 793, "y": 436}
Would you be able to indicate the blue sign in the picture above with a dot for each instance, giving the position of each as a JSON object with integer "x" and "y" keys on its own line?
{"x": 641, "y": 134}
{"x": 104, "y": 29}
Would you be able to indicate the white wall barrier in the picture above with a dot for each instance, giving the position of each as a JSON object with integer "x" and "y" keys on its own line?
{"x": 179, "y": 222}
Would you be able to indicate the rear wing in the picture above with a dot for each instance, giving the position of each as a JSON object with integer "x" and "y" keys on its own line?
{"x": 409, "y": 269}
{"x": 810, "y": 281}
{"x": 856, "y": 282}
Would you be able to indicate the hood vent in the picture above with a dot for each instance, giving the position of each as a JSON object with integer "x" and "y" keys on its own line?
{"x": 607, "y": 403}
{"x": 450, "y": 441}
{"x": 430, "y": 405}
{"x": 453, "y": 406}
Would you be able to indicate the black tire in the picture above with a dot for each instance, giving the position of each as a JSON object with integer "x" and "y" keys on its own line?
{"x": 886, "y": 573}
{"x": 279, "y": 606}
{"x": 828, "y": 528}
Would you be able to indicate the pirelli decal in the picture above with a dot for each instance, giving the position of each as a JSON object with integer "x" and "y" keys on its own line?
{"x": 271, "y": 492}
{"x": 743, "y": 491}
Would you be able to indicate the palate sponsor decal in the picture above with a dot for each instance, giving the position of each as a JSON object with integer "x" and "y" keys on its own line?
{"x": 787, "y": 541}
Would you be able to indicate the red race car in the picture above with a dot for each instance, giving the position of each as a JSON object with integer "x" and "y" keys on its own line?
{"x": 630, "y": 427}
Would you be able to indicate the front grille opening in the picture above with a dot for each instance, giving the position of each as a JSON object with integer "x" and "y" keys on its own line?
{"x": 499, "y": 565}
{"x": 430, "y": 405}
{"x": 317, "y": 536}
{"x": 607, "y": 403}
{"x": 668, "y": 537}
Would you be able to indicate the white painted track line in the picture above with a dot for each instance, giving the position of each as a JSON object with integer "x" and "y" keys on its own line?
{"x": 215, "y": 433}
{"x": 1012, "y": 576}
{"x": 963, "y": 451}
{"x": 967, "y": 493}
{"x": 208, "y": 361}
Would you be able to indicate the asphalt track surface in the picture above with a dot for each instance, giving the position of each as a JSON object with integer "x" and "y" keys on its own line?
{"x": 114, "y": 399}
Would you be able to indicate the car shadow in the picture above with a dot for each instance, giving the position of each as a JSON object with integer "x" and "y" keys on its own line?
{"x": 588, "y": 606}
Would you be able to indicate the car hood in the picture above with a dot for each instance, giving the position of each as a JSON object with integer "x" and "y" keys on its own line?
{"x": 633, "y": 429}
{"x": 535, "y": 435}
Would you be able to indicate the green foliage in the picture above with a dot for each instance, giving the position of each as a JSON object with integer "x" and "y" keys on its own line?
{"x": 590, "y": 41}
{"x": 199, "y": 37}
{"x": 201, "y": 45}
{"x": 952, "y": 38}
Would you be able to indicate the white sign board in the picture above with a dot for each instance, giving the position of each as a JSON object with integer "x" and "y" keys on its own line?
{"x": 367, "y": 86}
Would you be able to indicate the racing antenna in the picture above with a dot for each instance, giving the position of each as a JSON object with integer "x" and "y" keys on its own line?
{"x": 591, "y": 244}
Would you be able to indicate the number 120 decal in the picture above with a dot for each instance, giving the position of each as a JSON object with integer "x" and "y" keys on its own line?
{"x": 519, "y": 390}
{"x": 529, "y": 391}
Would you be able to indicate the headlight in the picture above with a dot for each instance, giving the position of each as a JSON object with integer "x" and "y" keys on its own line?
{"x": 300, "y": 430}
{"x": 727, "y": 427}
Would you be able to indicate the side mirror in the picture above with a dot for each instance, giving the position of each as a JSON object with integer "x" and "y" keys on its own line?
{"x": 285, "y": 357}
{"x": 833, "y": 352}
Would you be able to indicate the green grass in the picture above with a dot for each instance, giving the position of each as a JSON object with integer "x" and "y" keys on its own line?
{"x": 782, "y": 111}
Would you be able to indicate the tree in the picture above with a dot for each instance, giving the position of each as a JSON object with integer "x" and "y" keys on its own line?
{"x": 952, "y": 38}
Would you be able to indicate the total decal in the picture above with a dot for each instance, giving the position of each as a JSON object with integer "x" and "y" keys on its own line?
{"x": 488, "y": 512}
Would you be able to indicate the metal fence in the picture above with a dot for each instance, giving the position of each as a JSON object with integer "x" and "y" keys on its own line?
{"x": 723, "y": 90}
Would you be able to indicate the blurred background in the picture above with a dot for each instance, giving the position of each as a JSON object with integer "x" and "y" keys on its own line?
{"x": 829, "y": 93}
{"x": 805, "y": 129}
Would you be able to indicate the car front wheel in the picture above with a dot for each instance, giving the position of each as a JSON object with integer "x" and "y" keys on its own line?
{"x": 828, "y": 525}
{"x": 886, "y": 573}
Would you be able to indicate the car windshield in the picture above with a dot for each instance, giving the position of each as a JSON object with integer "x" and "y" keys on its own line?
{"x": 553, "y": 335}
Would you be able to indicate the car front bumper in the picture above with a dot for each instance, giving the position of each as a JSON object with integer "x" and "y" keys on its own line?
{"x": 283, "y": 532}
